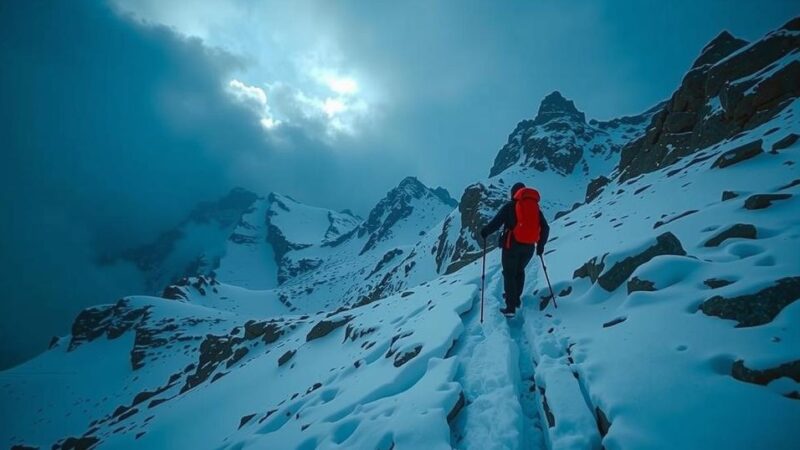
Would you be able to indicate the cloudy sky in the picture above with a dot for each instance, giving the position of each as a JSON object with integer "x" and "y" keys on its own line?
{"x": 116, "y": 118}
{"x": 434, "y": 88}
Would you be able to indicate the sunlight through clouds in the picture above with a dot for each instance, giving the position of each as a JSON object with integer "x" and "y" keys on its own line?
{"x": 256, "y": 99}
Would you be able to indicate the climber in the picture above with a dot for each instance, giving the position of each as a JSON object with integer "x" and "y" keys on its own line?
{"x": 525, "y": 231}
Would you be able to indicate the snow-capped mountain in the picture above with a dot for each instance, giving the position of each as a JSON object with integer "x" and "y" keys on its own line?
{"x": 557, "y": 152}
{"x": 675, "y": 274}
{"x": 193, "y": 246}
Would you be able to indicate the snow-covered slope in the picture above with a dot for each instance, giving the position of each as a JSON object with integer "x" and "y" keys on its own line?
{"x": 676, "y": 277}
{"x": 351, "y": 268}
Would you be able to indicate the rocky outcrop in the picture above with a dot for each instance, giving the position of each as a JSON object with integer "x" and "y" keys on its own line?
{"x": 761, "y": 201}
{"x": 755, "y": 309}
{"x": 785, "y": 142}
{"x": 110, "y": 321}
{"x": 387, "y": 257}
{"x": 595, "y": 187}
{"x": 740, "y": 230}
{"x": 478, "y": 205}
{"x": 636, "y": 284}
{"x": 665, "y": 244}
{"x": 739, "y": 154}
{"x": 763, "y": 377}
{"x": 731, "y": 87}
{"x": 716, "y": 283}
{"x": 719, "y": 47}
{"x": 326, "y": 327}
{"x": 591, "y": 269}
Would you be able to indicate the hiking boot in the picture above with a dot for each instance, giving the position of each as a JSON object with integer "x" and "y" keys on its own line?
{"x": 508, "y": 311}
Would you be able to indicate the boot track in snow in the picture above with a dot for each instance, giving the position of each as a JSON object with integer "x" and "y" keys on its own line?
{"x": 496, "y": 373}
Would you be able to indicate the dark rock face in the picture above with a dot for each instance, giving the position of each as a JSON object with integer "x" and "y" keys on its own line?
{"x": 402, "y": 358}
{"x": 739, "y": 154}
{"x": 719, "y": 47}
{"x": 108, "y": 320}
{"x": 555, "y": 106}
{"x": 766, "y": 376}
{"x": 636, "y": 284}
{"x": 613, "y": 322}
{"x": 672, "y": 219}
{"x": 590, "y": 269}
{"x": 716, "y": 283}
{"x": 243, "y": 421}
{"x": 740, "y": 230}
{"x": 786, "y": 142}
{"x": 595, "y": 187}
{"x": 213, "y": 351}
{"x": 791, "y": 184}
{"x": 557, "y": 138}
{"x": 666, "y": 244}
{"x": 761, "y": 201}
{"x": 476, "y": 205}
{"x": 286, "y": 357}
{"x": 748, "y": 93}
{"x": 728, "y": 195}
{"x": 755, "y": 309}
{"x": 326, "y": 327}
{"x": 181, "y": 289}
{"x": 78, "y": 443}
{"x": 268, "y": 331}
{"x": 387, "y": 257}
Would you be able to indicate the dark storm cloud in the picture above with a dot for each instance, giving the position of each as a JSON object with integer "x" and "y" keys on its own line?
{"x": 464, "y": 73}
{"x": 111, "y": 131}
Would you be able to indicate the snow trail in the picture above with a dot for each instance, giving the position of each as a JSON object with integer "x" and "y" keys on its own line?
{"x": 495, "y": 372}
{"x": 561, "y": 391}
{"x": 532, "y": 433}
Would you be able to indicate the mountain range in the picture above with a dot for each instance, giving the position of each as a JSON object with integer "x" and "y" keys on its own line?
{"x": 269, "y": 323}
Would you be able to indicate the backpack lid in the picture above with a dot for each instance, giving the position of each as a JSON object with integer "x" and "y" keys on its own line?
{"x": 527, "y": 193}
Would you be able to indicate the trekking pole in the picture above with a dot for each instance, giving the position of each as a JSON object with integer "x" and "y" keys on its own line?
{"x": 483, "y": 276}
{"x": 552, "y": 294}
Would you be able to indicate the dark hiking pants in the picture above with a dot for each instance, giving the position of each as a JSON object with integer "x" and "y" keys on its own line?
{"x": 514, "y": 261}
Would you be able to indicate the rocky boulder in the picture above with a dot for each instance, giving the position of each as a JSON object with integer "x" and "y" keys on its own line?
{"x": 739, "y": 154}
{"x": 761, "y": 201}
{"x": 595, "y": 187}
{"x": 740, "y": 230}
{"x": 755, "y": 309}
{"x": 665, "y": 244}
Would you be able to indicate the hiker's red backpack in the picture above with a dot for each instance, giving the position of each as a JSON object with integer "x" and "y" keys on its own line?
{"x": 526, "y": 231}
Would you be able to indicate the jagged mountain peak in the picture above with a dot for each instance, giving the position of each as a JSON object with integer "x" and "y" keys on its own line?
{"x": 734, "y": 86}
{"x": 554, "y": 106}
{"x": 721, "y": 46}
{"x": 398, "y": 204}
{"x": 559, "y": 139}
{"x": 412, "y": 188}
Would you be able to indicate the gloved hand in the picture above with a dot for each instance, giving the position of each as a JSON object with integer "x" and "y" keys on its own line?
{"x": 539, "y": 249}
{"x": 484, "y": 232}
